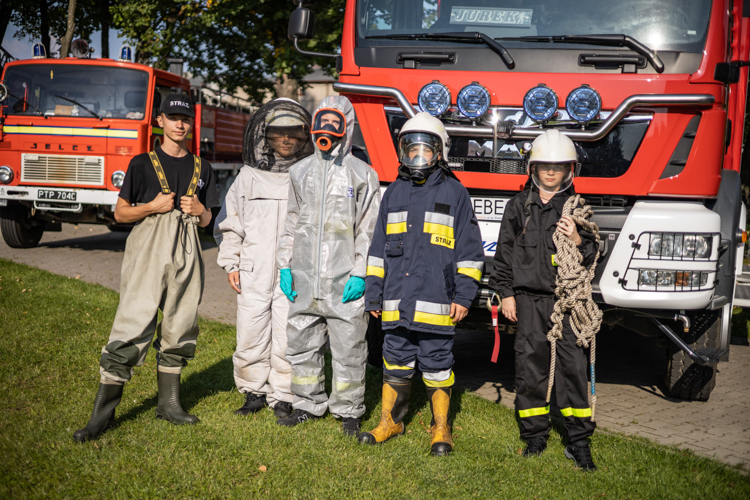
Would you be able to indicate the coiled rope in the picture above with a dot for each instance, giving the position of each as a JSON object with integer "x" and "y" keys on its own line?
{"x": 573, "y": 291}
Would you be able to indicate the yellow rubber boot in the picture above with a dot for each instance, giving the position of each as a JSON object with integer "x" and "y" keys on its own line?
{"x": 440, "y": 399}
{"x": 396, "y": 392}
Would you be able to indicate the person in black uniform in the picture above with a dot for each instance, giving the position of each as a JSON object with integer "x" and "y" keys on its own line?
{"x": 423, "y": 271}
{"x": 168, "y": 193}
{"x": 524, "y": 275}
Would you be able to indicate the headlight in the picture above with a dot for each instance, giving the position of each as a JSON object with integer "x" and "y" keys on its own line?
{"x": 6, "y": 174}
{"x": 684, "y": 279}
{"x": 678, "y": 245}
{"x": 118, "y": 178}
{"x": 583, "y": 104}
{"x": 434, "y": 98}
{"x": 540, "y": 103}
{"x": 473, "y": 101}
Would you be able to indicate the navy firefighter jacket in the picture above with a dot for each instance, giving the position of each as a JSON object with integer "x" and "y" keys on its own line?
{"x": 425, "y": 254}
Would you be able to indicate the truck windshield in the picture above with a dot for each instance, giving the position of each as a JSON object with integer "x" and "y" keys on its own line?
{"x": 107, "y": 91}
{"x": 677, "y": 25}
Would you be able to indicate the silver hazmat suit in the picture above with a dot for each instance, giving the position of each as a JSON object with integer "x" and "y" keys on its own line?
{"x": 331, "y": 214}
{"x": 247, "y": 231}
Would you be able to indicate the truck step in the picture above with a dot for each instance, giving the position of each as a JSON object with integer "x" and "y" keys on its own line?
{"x": 713, "y": 355}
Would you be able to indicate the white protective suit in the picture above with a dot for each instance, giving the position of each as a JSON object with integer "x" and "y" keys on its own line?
{"x": 247, "y": 231}
{"x": 333, "y": 206}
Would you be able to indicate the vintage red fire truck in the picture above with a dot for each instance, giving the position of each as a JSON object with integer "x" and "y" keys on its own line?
{"x": 651, "y": 91}
{"x": 69, "y": 127}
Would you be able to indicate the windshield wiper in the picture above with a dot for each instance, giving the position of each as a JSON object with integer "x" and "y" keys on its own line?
{"x": 30, "y": 105}
{"x": 610, "y": 40}
{"x": 470, "y": 36}
{"x": 79, "y": 104}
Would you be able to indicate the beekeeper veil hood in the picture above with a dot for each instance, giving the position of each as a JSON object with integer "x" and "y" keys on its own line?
{"x": 282, "y": 122}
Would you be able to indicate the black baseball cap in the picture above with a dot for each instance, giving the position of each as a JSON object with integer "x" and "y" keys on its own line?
{"x": 177, "y": 104}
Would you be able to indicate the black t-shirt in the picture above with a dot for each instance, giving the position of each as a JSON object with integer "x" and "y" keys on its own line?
{"x": 141, "y": 185}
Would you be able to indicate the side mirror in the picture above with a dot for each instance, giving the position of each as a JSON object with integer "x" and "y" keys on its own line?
{"x": 727, "y": 72}
{"x": 301, "y": 24}
{"x": 3, "y": 92}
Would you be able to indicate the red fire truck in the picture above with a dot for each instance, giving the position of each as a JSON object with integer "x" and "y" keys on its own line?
{"x": 69, "y": 127}
{"x": 651, "y": 91}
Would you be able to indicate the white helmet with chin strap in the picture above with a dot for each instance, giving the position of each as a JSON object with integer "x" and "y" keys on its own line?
{"x": 552, "y": 148}
{"x": 422, "y": 142}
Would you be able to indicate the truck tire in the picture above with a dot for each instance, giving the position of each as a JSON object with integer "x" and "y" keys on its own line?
{"x": 18, "y": 228}
{"x": 684, "y": 378}
{"x": 374, "y": 338}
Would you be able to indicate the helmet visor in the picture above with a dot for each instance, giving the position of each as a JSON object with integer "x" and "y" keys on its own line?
{"x": 552, "y": 177}
{"x": 418, "y": 149}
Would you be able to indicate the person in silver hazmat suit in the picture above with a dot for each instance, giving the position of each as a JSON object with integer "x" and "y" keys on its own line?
{"x": 332, "y": 209}
{"x": 247, "y": 231}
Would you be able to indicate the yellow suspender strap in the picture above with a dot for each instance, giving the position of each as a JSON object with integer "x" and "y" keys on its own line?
{"x": 159, "y": 172}
{"x": 163, "y": 179}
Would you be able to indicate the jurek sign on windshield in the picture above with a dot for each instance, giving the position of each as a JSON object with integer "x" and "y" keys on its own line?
{"x": 497, "y": 17}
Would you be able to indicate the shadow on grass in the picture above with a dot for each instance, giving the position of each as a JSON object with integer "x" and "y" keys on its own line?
{"x": 197, "y": 386}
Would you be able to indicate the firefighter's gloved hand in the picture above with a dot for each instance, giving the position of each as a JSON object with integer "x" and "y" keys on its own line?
{"x": 286, "y": 284}
{"x": 354, "y": 289}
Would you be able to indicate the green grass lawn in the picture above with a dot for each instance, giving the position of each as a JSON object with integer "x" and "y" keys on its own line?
{"x": 51, "y": 332}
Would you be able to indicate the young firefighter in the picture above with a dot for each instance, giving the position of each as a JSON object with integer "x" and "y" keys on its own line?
{"x": 247, "y": 232}
{"x": 423, "y": 271}
{"x": 168, "y": 193}
{"x": 331, "y": 213}
{"x": 524, "y": 276}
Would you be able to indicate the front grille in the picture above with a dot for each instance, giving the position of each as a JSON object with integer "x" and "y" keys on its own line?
{"x": 63, "y": 169}
{"x": 492, "y": 165}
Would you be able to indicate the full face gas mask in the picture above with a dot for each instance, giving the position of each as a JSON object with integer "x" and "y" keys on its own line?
{"x": 329, "y": 127}
{"x": 419, "y": 153}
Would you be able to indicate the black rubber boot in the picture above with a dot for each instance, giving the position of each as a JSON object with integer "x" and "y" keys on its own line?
{"x": 253, "y": 404}
{"x": 103, "y": 417}
{"x": 296, "y": 417}
{"x": 580, "y": 452}
{"x": 441, "y": 443}
{"x": 396, "y": 395}
{"x": 169, "y": 407}
{"x": 535, "y": 446}
{"x": 282, "y": 409}
{"x": 351, "y": 426}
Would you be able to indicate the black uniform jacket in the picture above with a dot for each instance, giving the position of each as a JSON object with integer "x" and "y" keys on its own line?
{"x": 524, "y": 259}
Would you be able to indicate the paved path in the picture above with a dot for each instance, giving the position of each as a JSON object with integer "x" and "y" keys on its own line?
{"x": 630, "y": 396}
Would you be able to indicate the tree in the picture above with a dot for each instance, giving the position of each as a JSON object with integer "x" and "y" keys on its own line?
{"x": 69, "y": 29}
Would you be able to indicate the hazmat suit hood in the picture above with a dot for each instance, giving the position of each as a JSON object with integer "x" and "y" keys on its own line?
{"x": 344, "y": 147}
{"x": 256, "y": 150}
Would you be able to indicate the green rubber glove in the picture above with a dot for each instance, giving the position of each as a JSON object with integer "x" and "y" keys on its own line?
{"x": 354, "y": 289}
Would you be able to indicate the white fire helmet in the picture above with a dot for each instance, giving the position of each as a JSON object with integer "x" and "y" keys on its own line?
{"x": 424, "y": 135}
{"x": 552, "y": 153}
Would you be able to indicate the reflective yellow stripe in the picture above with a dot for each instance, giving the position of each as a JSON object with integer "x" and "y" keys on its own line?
{"x": 443, "y": 383}
{"x": 576, "y": 412}
{"x": 398, "y": 227}
{"x": 533, "y": 412}
{"x": 375, "y": 271}
{"x": 554, "y": 260}
{"x": 389, "y": 366}
{"x": 390, "y": 316}
{"x": 432, "y": 228}
{"x": 72, "y": 131}
{"x": 471, "y": 272}
{"x": 433, "y": 319}
{"x": 305, "y": 380}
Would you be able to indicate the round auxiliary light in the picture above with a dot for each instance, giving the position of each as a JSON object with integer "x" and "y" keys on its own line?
{"x": 583, "y": 104}
{"x": 434, "y": 98}
{"x": 540, "y": 103}
{"x": 6, "y": 174}
{"x": 473, "y": 101}
{"x": 118, "y": 178}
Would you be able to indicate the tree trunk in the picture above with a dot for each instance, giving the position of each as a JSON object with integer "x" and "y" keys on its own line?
{"x": 287, "y": 87}
{"x": 44, "y": 25}
{"x": 105, "y": 28}
{"x": 5, "y": 11}
{"x": 65, "y": 42}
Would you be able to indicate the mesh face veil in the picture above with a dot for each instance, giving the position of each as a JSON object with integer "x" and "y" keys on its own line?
{"x": 329, "y": 126}
{"x": 286, "y": 132}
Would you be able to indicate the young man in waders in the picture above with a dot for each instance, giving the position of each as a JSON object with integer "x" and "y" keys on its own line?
{"x": 168, "y": 193}
{"x": 524, "y": 275}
